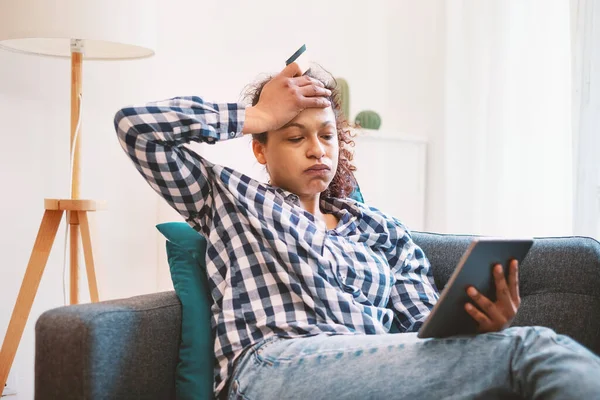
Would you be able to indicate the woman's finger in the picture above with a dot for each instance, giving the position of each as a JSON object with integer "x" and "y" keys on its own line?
{"x": 503, "y": 294}
{"x": 487, "y": 306}
{"x": 513, "y": 281}
{"x": 314, "y": 90}
{"x": 306, "y": 80}
{"x": 482, "y": 320}
{"x": 314, "y": 102}
{"x": 290, "y": 70}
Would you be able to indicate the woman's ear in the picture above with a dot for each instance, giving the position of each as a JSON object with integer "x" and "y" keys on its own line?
{"x": 259, "y": 151}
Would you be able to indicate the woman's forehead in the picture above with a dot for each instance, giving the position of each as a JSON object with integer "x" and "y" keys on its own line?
{"x": 315, "y": 116}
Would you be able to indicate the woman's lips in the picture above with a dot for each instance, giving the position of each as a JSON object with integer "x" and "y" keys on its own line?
{"x": 320, "y": 167}
{"x": 318, "y": 170}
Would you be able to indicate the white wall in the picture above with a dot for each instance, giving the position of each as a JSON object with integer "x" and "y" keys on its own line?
{"x": 386, "y": 50}
{"x": 507, "y": 167}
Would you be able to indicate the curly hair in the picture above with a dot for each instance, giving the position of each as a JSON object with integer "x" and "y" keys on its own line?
{"x": 343, "y": 182}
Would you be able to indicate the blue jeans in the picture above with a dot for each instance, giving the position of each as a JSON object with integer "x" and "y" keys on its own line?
{"x": 520, "y": 362}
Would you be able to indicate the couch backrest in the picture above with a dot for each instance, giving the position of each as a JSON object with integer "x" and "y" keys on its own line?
{"x": 559, "y": 281}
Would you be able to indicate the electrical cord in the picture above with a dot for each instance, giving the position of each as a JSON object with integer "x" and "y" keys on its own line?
{"x": 71, "y": 191}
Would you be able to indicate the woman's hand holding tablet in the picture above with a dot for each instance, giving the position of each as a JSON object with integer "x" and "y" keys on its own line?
{"x": 496, "y": 299}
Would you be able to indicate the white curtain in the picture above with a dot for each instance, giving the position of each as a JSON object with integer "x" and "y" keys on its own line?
{"x": 585, "y": 29}
{"x": 507, "y": 158}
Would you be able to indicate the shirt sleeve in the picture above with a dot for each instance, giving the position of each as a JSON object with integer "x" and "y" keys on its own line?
{"x": 414, "y": 294}
{"x": 154, "y": 136}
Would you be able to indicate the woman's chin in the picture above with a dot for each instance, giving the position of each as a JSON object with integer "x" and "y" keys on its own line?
{"x": 311, "y": 187}
{"x": 317, "y": 187}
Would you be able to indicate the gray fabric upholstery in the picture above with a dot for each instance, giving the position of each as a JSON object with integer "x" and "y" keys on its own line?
{"x": 121, "y": 349}
{"x": 127, "y": 349}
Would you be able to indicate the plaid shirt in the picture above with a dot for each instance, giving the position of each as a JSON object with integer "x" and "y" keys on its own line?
{"x": 272, "y": 268}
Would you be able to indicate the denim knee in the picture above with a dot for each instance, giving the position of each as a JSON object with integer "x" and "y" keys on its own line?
{"x": 527, "y": 332}
{"x": 540, "y": 338}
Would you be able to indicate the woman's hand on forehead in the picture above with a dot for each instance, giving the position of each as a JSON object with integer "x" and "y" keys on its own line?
{"x": 283, "y": 98}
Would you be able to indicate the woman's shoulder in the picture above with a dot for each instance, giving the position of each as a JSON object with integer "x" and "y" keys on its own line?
{"x": 374, "y": 217}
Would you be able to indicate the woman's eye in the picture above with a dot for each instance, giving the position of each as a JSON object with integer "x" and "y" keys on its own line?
{"x": 295, "y": 140}
{"x": 328, "y": 137}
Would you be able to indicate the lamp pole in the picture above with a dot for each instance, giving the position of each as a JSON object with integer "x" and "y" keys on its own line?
{"x": 75, "y": 154}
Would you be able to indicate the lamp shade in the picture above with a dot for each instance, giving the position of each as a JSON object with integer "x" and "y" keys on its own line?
{"x": 108, "y": 29}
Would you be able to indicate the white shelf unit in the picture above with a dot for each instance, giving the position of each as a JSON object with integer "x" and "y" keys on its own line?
{"x": 391, "y": 172}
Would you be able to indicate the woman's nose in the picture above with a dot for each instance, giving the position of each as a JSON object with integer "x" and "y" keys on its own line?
{"x": 316, "y": 149}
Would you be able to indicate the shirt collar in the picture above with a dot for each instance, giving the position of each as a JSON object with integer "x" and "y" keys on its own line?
{"x": 288, "y": 196}
{"x": 331, "y": 204}
{"x": 340, "y": 206}
{"x": 344, "y": 209}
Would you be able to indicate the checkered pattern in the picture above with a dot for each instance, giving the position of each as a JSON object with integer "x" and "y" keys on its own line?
{"x": 272, "y": 268}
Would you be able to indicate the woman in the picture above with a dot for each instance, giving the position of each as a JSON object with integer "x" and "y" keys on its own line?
{"x": 306, "y": 282}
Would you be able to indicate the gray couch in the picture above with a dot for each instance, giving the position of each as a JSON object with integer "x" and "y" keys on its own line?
{"x": 127, "y": 349}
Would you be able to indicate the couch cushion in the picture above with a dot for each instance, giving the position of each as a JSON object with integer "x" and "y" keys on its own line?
{"x": 186, "y": 249}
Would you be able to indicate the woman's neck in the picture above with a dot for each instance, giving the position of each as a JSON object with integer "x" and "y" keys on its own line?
{"x": 312, "y": 205}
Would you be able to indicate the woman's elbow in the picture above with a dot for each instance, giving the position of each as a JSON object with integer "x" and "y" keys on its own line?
{"x": 122, "y": 121}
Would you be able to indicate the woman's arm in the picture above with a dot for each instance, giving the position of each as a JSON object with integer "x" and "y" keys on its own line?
{"x": 153, "y": 135}
{"x": 414, "y": 293}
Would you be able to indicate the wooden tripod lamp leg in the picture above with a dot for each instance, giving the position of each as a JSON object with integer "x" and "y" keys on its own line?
{"x": 73, "y": 260}
{"x": 29, "y": 286}
{"x": 72, "y": 218}
{"x": 88, "y": 254}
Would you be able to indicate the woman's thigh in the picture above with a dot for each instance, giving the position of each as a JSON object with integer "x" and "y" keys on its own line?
{"x": 391, "y": 366}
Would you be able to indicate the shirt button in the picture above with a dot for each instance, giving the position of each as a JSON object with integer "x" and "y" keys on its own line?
{"x": 232, "y": 134}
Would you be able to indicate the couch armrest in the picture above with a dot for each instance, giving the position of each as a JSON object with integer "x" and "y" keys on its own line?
{"x": 117, "y": 349}
{"x": 559, "y": 281}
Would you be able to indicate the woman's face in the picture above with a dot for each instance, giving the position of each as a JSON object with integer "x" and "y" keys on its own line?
{"x": 302, "y": 156}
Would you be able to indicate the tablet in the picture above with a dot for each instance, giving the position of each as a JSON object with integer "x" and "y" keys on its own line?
{"x": 475, "y": 268}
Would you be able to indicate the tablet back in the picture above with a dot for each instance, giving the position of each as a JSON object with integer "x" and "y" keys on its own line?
{"x": 448, "y": 317}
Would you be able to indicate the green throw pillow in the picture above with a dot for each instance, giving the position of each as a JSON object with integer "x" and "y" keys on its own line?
{"x": 357, "y": 194}
{"x": 186, "y": 249}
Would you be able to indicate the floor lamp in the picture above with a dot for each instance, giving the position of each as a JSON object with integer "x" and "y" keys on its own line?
{"x": 75, "y": 29}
